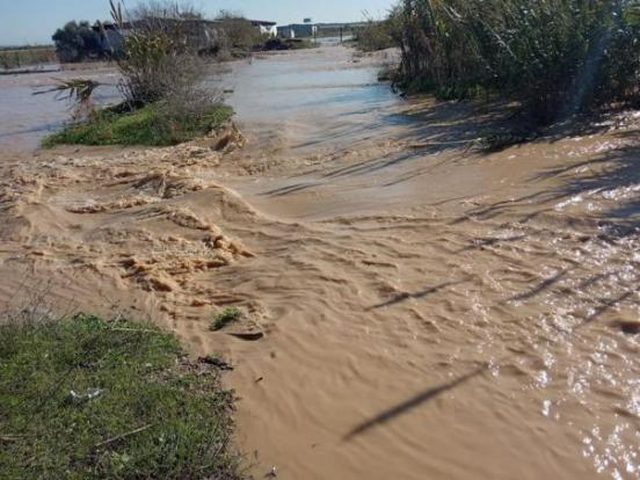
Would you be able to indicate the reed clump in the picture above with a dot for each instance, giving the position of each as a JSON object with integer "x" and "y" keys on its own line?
{"x": 553, "y": 57}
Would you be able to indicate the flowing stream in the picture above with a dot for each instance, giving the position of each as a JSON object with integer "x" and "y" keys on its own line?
{"x": 427, "y": 311}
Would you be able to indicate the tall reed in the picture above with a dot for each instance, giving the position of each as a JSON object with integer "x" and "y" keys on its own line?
{"x": 555, "y": 57}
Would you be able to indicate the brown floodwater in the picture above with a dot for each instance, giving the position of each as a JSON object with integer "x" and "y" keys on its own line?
{"x": 428, "y": 311}
{"x": 25, "y": 118}
{"x": 311, "y": 100}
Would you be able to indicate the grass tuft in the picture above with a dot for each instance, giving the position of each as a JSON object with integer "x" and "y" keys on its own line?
{"x": 226, "y": 317}
{"x": 152, "y": 125}
{"x": 89, "y": 399}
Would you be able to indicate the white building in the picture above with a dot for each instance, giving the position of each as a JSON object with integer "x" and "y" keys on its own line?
{"x": 299, "y": 30}
{"x": 265, "y": 28}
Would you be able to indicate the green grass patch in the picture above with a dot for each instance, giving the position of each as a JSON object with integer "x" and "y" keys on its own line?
{"x": 152, "y": 125}
{"x": 89, "y": 399}
{"x": 226, "y": 317}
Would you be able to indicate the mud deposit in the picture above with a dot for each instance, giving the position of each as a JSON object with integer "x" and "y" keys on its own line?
{"x": 425, "y": 311}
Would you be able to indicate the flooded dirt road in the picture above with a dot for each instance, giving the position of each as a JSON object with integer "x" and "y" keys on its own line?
{"x": 427, "y": 311}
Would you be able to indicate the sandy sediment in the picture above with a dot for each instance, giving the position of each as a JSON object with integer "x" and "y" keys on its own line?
{"x": 131, "y": 219}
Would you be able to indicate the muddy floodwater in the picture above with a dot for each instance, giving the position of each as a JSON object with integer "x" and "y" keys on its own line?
{"x": 25, "y": 118}
{"x": 417, "y": 309}
{"x": 313, "y": 101}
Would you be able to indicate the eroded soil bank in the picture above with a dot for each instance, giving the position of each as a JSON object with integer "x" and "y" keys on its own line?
{"x": 428, "y": 311}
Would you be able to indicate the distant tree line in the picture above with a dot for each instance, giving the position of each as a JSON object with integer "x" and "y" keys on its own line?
{"x": 25, "y": 56}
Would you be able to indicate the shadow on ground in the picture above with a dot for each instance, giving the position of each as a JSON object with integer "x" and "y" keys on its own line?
{"x": 418, "y": 400}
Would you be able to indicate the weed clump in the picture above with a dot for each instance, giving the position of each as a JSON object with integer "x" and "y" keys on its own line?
{"x": 380, "y": 35}
{"x": 226, "y": 317}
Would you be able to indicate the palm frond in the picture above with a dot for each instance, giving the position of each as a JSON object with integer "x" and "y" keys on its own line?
{"x": 77, "y": 89}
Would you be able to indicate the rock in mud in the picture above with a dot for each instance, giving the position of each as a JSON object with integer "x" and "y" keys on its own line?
{"x": 629, "y": 327}
{"x": 248, "y": 336}
{"x": 216, "y": 362}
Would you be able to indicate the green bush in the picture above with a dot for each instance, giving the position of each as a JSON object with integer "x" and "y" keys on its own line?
{"x": 160, "y": 54}
{"x": 165, "y": 99}
{"x": 238, "y": 37}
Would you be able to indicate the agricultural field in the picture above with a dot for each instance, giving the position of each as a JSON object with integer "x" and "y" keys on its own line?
{"x": 19, "y": 57}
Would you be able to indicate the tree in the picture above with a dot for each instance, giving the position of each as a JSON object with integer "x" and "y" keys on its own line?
{"x": 76, "y": 42}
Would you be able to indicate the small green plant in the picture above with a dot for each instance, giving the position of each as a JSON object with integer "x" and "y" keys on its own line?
{"x": 226, "y": 317}
{"x": 78, "y": 91}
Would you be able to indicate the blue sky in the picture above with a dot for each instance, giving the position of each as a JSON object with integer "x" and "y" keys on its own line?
{"x": 34, "y": 21}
